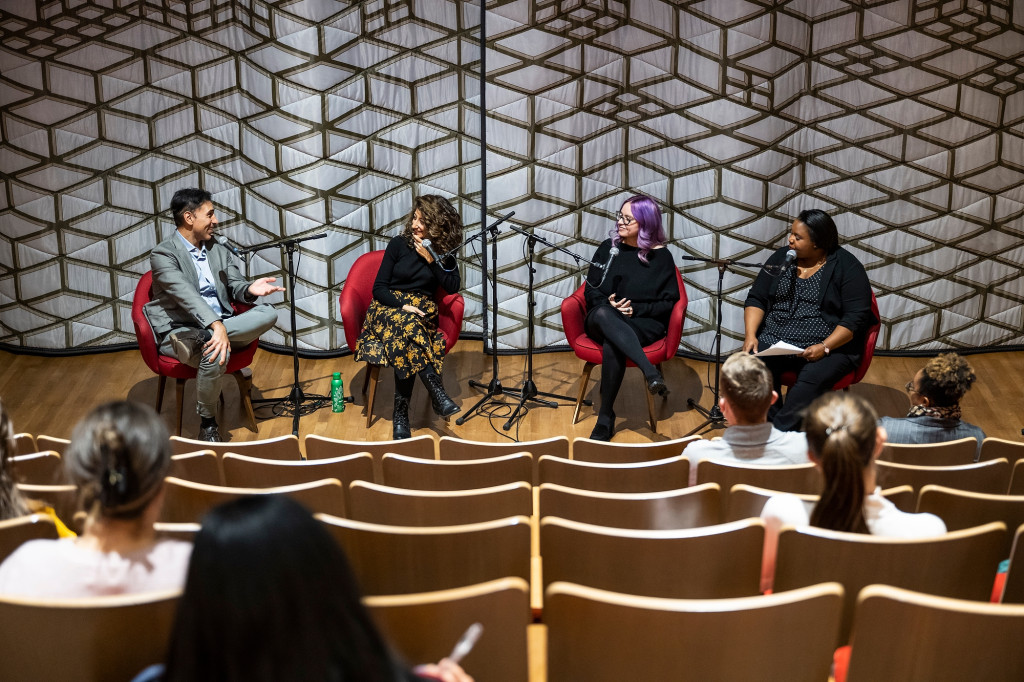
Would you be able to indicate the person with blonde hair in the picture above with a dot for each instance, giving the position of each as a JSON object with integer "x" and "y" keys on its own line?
{"x": 746, "y": 396}
{"x": 935, "y": 394}
{"x": 118, "y": 457}
{"x": 844, "y": 439}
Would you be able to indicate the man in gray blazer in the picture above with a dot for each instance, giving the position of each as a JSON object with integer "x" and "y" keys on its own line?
{"x": 194, "y": 284}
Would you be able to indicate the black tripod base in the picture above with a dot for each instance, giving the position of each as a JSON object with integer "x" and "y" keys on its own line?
{"x": 296, "y": 404}
{"x": 529, "y": 392}
{"x": 493, "y": 388}
{"x": 714, "y": 417}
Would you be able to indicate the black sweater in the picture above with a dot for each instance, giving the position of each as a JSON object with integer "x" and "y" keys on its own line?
{"x": 651, "y": 287}
{"x": 402, "y": 269}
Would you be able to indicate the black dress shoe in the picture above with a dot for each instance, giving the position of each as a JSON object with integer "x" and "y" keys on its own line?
{"x": 188, "y": 343}
{"x": 602, "y": 431}
{"x": 400, "y": 420}
{"x": 210, "y": 434}
{"x": 657, "y": 386}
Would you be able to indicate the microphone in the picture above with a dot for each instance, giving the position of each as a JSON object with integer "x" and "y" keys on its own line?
{"x": 223, "y": 241}
{"x": 790, "y": 257}
{"x": 612, "y": 253}
{"x": 426, "y": 244}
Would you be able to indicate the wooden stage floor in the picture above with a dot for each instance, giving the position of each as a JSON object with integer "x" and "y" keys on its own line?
{"x": 49, "y": 395}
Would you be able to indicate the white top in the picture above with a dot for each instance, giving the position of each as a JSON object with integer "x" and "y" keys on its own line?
{"x": 750, "y": 444}
{"x": 881, "y": 516}
{"x": 63, "y": 569}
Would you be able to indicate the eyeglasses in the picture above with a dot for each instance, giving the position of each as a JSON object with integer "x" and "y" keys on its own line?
{"x": 910, "y": 387}
{"x": 624, "y": 219}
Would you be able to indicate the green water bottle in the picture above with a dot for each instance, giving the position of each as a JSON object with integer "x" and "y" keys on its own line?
{"x": 337, "y": 393}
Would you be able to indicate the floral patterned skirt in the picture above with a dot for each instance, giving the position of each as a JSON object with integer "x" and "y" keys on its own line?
{"x": 404, "y": 341}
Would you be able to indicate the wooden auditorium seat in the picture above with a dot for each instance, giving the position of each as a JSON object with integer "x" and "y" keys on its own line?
{"x": 39, "y": 468}
{"x": 399, "y": 471}
{"x": 426, "y": 625}
{"x": 382, "y": 504}
{"x": 602, "y": 636}
{"x": 950, "y": 453}
{"x": 187, "y": 502}
{"x": 903, "y": 635}
{"x": 199, "y": 467}
{"x": 637, "y": 477}
{"x": 405, "y": 559}
{"x": 668, "y": 510}
{"x": 281, "y": 447}
{"x": 587, "y": 450}
{"x": 992, "y": 477}
{"x": 457, "y": 448}
{"x": 700, "y": 563}
{"x": 961, "y": 564}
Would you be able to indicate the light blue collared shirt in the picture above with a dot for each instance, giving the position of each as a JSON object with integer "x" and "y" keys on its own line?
{"x": 207, "y": 288}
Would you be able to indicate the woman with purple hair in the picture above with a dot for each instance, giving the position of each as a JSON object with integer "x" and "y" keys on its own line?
{"x": 629, "y": 304}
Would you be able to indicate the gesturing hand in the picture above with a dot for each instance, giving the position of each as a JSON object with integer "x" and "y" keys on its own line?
{"x": 263, "y": 287}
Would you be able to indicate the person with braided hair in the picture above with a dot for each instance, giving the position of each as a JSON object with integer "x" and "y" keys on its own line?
{"x": 118, "y": 458}
{"x": 935, "y": 394}
{"x": 843, "y": 440}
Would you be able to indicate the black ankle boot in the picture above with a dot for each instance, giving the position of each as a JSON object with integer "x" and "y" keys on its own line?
{"x": 604, "y": 429}
{"x": 439, "y": 400}
{"x": 400, "y": 419}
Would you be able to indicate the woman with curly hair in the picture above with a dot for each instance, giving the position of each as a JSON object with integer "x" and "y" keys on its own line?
{"x": 935, "y": 394}
{"x": 400, "y": 330}
{"x": 629, "y": 304}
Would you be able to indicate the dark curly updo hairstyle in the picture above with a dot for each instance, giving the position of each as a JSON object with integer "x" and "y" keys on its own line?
{"x": 118, "y": 457}
{"x": 442, "y": 221}
{"x": 945, "y": 379}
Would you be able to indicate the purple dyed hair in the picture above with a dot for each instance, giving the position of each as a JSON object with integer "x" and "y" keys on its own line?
{"x": 648, "y": 217}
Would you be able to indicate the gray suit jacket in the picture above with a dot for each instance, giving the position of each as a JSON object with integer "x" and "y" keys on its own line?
{"x": 176, "y": 301}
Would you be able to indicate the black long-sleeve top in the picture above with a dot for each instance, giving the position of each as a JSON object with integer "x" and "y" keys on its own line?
{"x": 651, "y": 287}
{"x": 402, "y": 269}
{"x": 844, "y": 298}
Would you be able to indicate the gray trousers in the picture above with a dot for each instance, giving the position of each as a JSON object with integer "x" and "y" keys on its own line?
{"x": 242, "y": 330}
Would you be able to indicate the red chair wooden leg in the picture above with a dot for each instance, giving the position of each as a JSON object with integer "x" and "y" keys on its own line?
{"x": 243, "y": 378}
{"x": 373, "y": 376}
{"x": 584, "y": 381}
{"x": 179, "y": 400}
{"x": 161, "y": 384}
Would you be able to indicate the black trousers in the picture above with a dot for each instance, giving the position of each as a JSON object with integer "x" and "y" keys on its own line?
{"x": 812, "y": 379}
{"x": 619, "y": 341}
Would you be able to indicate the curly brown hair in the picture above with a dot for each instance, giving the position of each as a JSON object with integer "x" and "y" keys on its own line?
{"x": 442, "y": 221}
{"x": 945, "y": 379}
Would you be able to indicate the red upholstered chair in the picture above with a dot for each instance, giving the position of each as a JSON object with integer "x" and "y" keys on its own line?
{"x": 164, "y": 366}
{"x": 789, "y": 378}
{"x": 574, "y": 312}
{"x": 356, "y": 295}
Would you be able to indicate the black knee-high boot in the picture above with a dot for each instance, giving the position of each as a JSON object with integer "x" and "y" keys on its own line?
{"x": 439, "y": 400}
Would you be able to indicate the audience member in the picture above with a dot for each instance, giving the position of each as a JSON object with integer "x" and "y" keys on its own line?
{"x": 118, "y": 457}
{"x": 844, "y": 440}
{"x": 270, "y": 596}
{"x": 11, "y": 502}
{"x": 747, "y": 394}
{"x": 935, "y": 394}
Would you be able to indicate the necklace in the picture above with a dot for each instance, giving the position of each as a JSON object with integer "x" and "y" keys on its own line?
{"x": 811, "y": 267}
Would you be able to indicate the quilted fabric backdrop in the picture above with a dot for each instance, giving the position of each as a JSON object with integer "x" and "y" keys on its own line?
{"x": 903, "y": 118}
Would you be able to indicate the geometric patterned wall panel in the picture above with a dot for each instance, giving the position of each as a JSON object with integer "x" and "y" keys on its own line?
{"x": 905, "y": 119}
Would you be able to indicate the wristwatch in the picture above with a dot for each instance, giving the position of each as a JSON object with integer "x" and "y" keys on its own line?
{"x": 827, "y": 351}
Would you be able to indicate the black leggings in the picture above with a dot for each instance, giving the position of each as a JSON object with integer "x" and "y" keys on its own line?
{"x": 619, "y": 342}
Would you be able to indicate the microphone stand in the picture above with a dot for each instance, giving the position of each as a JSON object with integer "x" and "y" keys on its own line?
{"x": 529, "y": 390}
{"x": 714, "y": 419}
{"x": 493, "y": 387}
{"x": 296, "y": 400}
